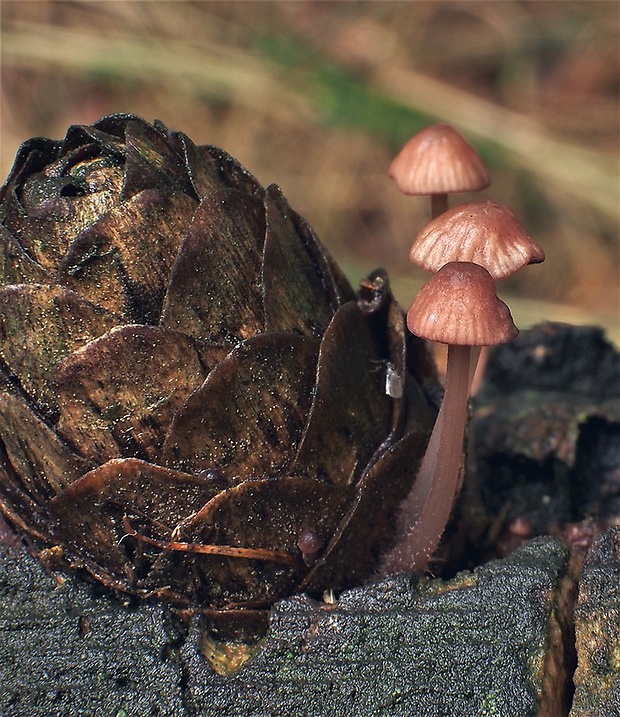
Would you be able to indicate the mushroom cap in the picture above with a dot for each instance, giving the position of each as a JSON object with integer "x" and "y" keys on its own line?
{"x": 437, "y": 160}
{"x": 485, "y": 233}
{"x": 458, "y": 305}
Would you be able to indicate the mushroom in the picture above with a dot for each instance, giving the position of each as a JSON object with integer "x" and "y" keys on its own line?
{"x": 485, "y": 233}
{"x": 458, "y": 307}
{"x": 438, "y": 161}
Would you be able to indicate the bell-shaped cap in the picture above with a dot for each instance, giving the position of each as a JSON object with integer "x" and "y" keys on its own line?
{"x": 458, "y": 305}
{"x": 437, "y": 160}
{"x": 485, "y": 233}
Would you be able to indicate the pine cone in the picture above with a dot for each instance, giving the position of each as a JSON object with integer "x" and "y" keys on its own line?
{"x": 194, "y": 402}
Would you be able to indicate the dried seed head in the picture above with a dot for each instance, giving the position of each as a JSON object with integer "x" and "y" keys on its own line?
{"x": 485, "y": 233}
{"x": 195, "y": 374}
{"x": 459, "y": 306}
{"x": 437, "y": 160}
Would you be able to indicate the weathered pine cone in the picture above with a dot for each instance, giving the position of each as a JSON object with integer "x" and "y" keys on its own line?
{"x": 195, "y": 404}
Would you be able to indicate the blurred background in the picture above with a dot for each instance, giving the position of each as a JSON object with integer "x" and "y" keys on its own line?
{"x": 319, "y": 96}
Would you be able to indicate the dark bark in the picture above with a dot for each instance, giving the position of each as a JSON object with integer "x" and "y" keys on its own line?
{"x": 401, "y": 646}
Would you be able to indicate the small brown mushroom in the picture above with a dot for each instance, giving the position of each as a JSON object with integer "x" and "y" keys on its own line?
{"x": 438, "y": 161}
{"x": 458, "y": 307}
{"x": 485, "y": 233}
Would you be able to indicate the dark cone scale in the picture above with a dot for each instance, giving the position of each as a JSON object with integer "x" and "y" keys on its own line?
{"x": 188, "y": 384}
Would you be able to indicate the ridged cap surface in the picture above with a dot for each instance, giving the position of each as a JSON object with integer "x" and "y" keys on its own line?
{"x": 485, "y": 233}
{"x": 458, "y": 305}
{"x": 437, "y": 160}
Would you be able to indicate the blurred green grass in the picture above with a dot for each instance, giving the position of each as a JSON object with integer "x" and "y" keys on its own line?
{"x": 318, "y": 96}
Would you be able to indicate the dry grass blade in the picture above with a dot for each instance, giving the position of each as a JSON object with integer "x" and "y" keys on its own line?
{"x": 215, "y": 70}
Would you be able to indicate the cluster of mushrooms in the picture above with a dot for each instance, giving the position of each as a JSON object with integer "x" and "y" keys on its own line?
{"x": 467, "y": 248}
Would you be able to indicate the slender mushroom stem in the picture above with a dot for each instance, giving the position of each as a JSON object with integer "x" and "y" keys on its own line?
{"x": 439, "y": 204}
{"x": 477, "y": 368}
{"x": 470, "y": 315}
{"x": 475, "y": 360}
{"x": 426, "y": 510}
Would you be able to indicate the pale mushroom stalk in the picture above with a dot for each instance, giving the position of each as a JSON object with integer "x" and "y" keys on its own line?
{"x": 439, "y": 204}
{"x": 425, "y": 512}
{"x": 477, "y": 368}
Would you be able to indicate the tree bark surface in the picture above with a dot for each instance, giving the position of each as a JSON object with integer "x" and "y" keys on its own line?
{"x": 475, "y": 645}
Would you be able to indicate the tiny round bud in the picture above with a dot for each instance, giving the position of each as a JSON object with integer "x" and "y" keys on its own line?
{"x": 310, "y": 544}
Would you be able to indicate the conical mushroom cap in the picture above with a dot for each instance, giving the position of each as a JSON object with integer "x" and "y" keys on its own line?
{"x": 458, "y": 305}
{"x": 485, "y": 233}
{"x": 437, "y": 160}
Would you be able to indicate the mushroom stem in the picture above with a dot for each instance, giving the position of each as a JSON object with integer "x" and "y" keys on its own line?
{"x": 439, "y": 204}
{"x": 424, "y": 513}
{"x": 477, "y": 368}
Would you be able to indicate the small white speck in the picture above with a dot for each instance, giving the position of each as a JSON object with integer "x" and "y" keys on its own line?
{"x": 393, "y": 383}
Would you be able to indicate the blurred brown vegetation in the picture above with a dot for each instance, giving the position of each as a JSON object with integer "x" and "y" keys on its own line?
{"x": 319, "y": 96}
